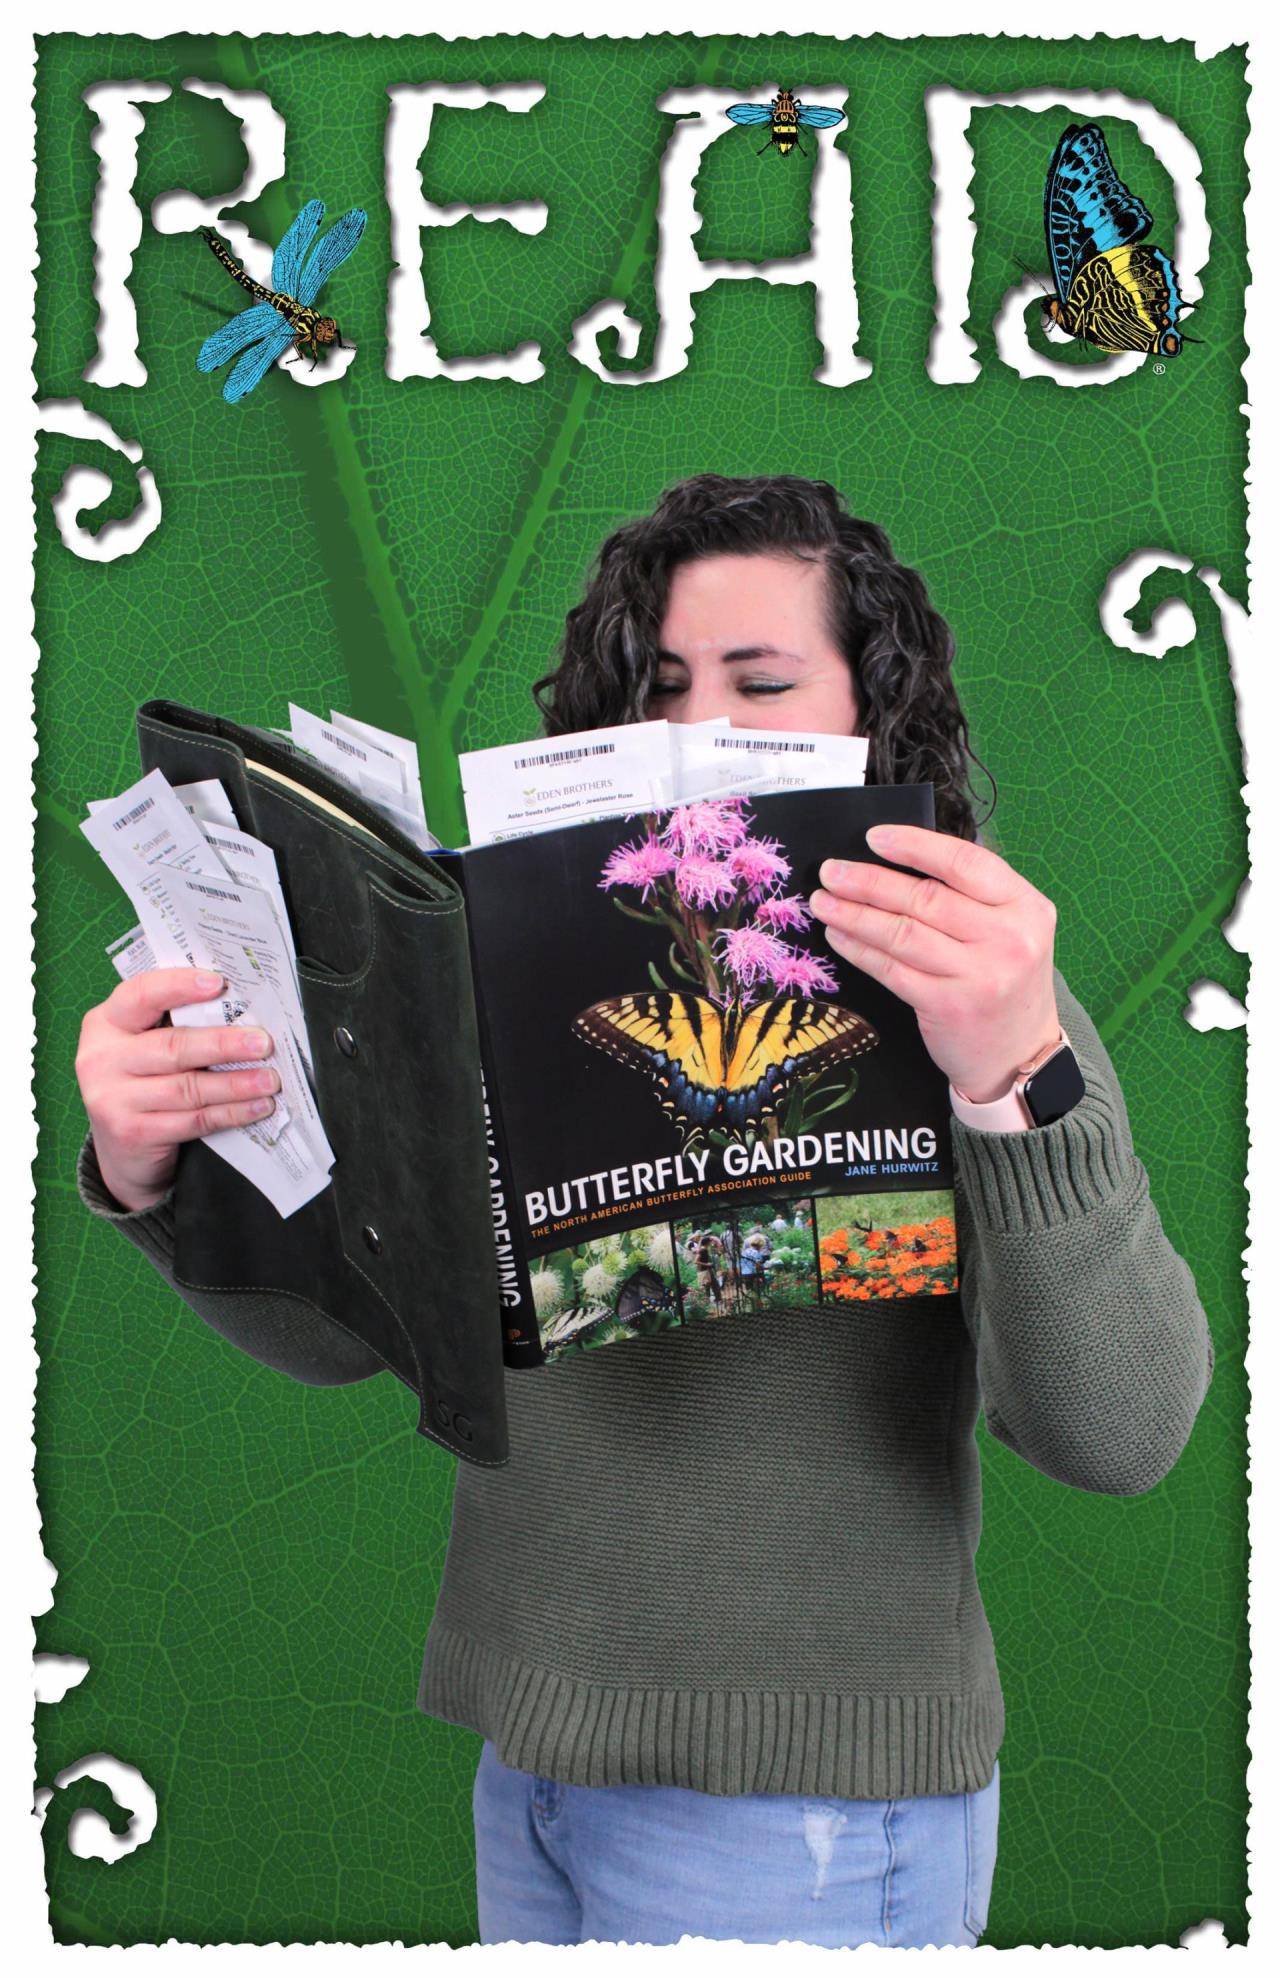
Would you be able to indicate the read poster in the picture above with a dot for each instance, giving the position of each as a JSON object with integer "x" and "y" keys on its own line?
{"x": 593, "y": 265}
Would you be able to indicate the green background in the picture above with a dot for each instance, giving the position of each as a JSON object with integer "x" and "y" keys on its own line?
{"x": 250, "y": 1565}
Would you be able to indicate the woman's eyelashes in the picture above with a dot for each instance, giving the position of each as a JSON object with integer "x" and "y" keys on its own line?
{"x": 665, "y": 689}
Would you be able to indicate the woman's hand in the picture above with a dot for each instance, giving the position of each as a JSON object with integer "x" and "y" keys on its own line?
{"x": 969, "y": 946}
{"x": 147, "y": 1089}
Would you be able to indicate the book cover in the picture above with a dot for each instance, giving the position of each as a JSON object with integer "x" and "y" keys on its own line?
{"x": 696, "y": 1107}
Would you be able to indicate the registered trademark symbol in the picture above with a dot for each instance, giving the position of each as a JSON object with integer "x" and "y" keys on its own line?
{"x": 1158, "y": 369}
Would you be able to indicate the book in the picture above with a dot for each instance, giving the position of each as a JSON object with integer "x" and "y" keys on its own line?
{"x": 582, "y": 1086}
{"x": 694, "y": 1107}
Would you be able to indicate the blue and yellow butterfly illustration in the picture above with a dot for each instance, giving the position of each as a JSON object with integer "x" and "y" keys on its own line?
{"x": 281, "y": 315}
{"x": 1113, "y": 290}
{"x": 784, "y": 117}
{"x": 723, "y": 1068}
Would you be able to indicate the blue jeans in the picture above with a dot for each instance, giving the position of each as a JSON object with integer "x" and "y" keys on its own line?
{"x": 558, "y": 1864}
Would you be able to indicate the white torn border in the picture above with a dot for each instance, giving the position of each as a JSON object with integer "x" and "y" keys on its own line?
{"x": 85, "y": 488}
{"x": 1173, "y": 625}
{"x": 89, "y": 1834}
{"x": 1210, "y": 29}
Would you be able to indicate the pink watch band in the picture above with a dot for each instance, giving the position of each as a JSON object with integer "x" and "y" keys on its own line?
{"x": 1007, "y": 1114}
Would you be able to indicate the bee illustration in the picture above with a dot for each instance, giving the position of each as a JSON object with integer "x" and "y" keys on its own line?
{"x": 784, "y": 116}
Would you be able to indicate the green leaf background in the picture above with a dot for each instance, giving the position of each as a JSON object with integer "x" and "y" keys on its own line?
{"x": 250, "y": 1565}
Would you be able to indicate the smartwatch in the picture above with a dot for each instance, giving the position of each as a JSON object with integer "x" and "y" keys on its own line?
{"x": 1043, "y": 1089}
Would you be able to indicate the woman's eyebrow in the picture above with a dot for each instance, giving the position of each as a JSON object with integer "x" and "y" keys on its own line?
{"x": 740, "y": 652}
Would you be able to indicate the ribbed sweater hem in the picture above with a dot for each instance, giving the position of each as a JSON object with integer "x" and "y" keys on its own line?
{"x": 728, "y": 1741}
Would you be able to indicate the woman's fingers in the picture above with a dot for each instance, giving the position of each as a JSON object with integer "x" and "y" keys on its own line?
{"x": 141, "y": 1001}
{"x": 973, "y": 870}
{"x": 197, "y": 1091}
{"x": 146, "y": 1131}
{"x": 854, "y": 926}
{"x": 179, "y": 1048}
{"x": 149, "y": 1086}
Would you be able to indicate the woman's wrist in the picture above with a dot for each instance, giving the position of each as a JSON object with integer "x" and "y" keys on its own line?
{"x": 982, "y": 1092}
{"x": 1005, "y": 1111}
{"x": 128, "y": 1194}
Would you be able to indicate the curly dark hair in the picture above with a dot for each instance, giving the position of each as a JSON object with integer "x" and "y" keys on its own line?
{"x": 899, "y": 648}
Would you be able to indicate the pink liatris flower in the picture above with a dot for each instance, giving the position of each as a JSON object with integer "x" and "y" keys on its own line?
{"x": 804, "y": 973}
{"x": 783, "y": 910}
{"x": 759, "y": 863}
{"x": 711, "y": 825}
{"x": 750, "y": 956}
{"x": 639, "y": 865}
{"x": 704, "y": 882}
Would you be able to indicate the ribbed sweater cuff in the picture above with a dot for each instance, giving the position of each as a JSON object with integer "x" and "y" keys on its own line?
{"x": 1047, "y": 1174}
{"x": 151, "y": 1229}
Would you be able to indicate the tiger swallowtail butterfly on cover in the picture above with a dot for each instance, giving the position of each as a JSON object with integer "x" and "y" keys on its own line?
{"x": 576, "y": 1323}
{"x": 641, "y": 1293}
{"x": 723, "y": 1067}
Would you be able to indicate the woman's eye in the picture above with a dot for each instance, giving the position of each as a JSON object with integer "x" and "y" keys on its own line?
{"x": 663, "y": 689}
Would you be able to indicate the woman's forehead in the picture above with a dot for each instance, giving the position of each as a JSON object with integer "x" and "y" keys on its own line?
{"x": 719, "y": 602}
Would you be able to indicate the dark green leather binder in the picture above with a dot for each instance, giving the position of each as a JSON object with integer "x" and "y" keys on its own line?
{"x": 399, "y": 1249}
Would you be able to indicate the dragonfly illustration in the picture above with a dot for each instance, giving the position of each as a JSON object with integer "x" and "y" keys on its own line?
{"x": 282, "y": 315}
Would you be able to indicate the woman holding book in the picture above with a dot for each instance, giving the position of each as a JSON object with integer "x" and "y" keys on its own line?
{"x": 750, "y": 1690}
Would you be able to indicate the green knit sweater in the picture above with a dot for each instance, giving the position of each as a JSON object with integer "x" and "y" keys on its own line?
{"x": 739, "y": 1555}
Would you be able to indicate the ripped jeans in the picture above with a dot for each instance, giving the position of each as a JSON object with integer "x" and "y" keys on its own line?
{"x": 560, "y": 1864}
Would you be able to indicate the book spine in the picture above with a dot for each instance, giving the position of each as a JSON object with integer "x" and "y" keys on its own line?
{"x": 521, "y": 1339}
{"x": 521, "y": 1342}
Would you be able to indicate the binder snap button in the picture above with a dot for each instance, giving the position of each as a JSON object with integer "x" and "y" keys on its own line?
{"x": 372, "y": 1240}
{"x": 463, "y": 1427}
{"x": 442, "y": 1410}
{"x": 346, "y": 1043}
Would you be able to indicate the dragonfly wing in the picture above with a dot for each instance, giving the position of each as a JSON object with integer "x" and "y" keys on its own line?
{"x": 818, "y": 118}
{"x": 255, "y": 364}
{"x": 341, "y": 240}
{"x": 286, "y": 262}
{"x": 750, "y": 113}
{"x": 233, "y": 337}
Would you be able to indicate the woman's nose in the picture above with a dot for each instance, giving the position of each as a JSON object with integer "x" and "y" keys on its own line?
{"x": 706, "y": 700}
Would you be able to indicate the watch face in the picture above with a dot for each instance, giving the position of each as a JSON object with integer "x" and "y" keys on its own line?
{"x": 1055, "y": 1088}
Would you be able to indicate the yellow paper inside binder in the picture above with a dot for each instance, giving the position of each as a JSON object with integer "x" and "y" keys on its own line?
{"x": 321, "y": 803}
